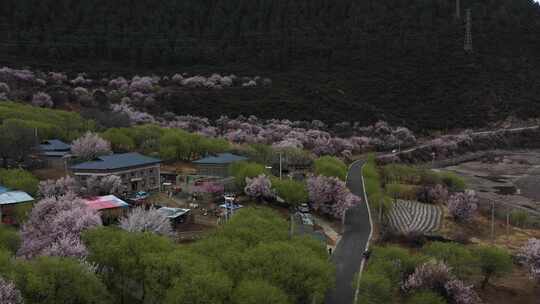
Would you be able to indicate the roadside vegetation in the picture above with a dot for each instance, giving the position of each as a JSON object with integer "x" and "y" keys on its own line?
{"x": 438, "y": 272}
{"x": 250, "y": 259}
{"x": 330, "y": 166}
{"x": 19, "y": 179}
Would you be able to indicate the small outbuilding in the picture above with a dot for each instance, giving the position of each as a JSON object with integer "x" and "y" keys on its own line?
{"x": 110, "y": 206}
{"x": 11, "y": 202}
{"x": 217, "y": 165}
{"x": 54, "y": 152}
{"x": 176, "y": 215}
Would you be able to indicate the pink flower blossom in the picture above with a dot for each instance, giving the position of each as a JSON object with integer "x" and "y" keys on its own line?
{"x": 8, "y": 293}
{"x": 329, "y": 195}
{"x": 462, "y": 206}
{"x": 461, "y": 293}
{"x": 60, "y": 187}
{"x": 530, "y": 253}
{"x": 89, "y": 146}
{"x": 432, "y": 275}
{"x": 41, "y": 99}
{"x": 142, "y": 84}
{"x": 57, "y": 78}
{"x": 210, "y": 187}
{"x": 18, "y": 75}
{"x": 55, "y": 225}
{"x": 80, "y": 80}
{"x": 4, "y": 88}
{"x": 141, "y": 220}
{"x": 259, "y": 187}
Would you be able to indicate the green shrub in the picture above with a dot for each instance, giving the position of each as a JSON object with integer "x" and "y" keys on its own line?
{"x": 395, "y": 262}
{"x": 493, "y": 262}
{"x": 259, "y": 153}
{"x": 380, "y": 202}
{"x": 258, "y": 292}
{"x": 430, "y": 177}
{"x": 425, "y": 297}
{"x": 21, "y": 212}
{"x": 375, "y": 288}
{"x": 405, "y": 174}
{"x": 331, "y": 166}
{"x": 519, "y": 218}
{"x": 48, "y": 122}
{"x": 457, "y": 256}
{"x": 241, "y": 170}
{"x": 9, "y": 239}
{"x": 398, "y": 173}
{"x": 119, "y": 139}
{"x": 18, "y": 179}
{"x": 453, "y": 182}
{"x": 177, "y": 144}
{"x": 402, "y": 191}
{"x": 372, "y": 178}
{"x": 293, "y": 192}
{"x": 378, "y": 199}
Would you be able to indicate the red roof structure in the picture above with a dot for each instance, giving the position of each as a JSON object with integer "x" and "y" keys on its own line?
{"x": 105, "y": 202}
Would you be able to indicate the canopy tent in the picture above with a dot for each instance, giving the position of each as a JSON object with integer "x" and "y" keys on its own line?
{"x": 105, "y": 202}
{"x": 173, "y": 213}
{"x": 14, "y": 197}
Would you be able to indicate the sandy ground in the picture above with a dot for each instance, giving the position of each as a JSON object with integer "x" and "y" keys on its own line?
{"x": 511, "y": 178}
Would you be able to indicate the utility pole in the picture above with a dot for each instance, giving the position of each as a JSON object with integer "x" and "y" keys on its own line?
{"x": 380, "y": 209}
{"x": 280, "y": 164}
{"x": 291, "y": 223}
{"x": 493, "y": 221}
{"x": 468, "y": 32}
{"x": 507, "y": 221}
{"x": 458, "y": 10}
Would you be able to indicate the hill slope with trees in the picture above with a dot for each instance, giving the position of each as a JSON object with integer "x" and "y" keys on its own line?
{"x": 402, "y": 61}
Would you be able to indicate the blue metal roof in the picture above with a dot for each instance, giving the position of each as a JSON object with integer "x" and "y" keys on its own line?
{"x": 3, "y": 189}
{"x": 116, "y": 161}
{"x": 14, "y": 197}
{"x": 222, "y": 158}
{"x": 58, "y": 154}
{"x": 54, "y": 145}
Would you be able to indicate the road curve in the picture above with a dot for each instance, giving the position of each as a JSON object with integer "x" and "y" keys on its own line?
{"x": 357, "y": 231}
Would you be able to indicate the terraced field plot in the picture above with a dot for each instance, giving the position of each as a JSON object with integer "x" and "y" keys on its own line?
{"x": 410, "y": 217}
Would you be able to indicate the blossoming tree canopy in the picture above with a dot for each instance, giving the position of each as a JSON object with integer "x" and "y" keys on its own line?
{"x": 89, "y": 146}
{"x": 55, "y": 225}
{"x": 330, "y": 195}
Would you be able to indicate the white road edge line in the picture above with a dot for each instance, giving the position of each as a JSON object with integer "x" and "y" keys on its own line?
{"x": 370, "y": 232}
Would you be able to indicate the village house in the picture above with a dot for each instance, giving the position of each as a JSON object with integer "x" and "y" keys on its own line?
{"x": 53, "y": 153}
{"x": 110, "y": 207}
{"x": 10, "y": 201}
{"x": 138, "y": 172}
{"x": 217, "y": 165}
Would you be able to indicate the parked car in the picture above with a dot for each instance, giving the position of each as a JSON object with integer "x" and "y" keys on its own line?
{"x": 303, "y": 208}
{"x": 305, "y": 218}
{"x": 141, "y": 195}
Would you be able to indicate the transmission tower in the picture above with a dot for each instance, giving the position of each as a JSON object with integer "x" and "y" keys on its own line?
{"x": 458, "y": 9}
{"x": 468, "y": 35}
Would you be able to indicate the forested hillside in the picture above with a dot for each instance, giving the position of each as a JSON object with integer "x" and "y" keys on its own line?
{"x": 335, "y": 60}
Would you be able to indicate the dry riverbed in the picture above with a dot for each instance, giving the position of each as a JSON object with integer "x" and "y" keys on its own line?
{"x": 510, "y": 179}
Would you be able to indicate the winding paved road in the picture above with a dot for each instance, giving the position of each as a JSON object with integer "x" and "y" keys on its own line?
{"x": 348, "y": 254}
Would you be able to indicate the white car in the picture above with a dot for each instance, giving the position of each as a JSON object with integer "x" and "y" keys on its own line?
{"x": 303, "y": 208}
{"x": 306, "y": 218}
